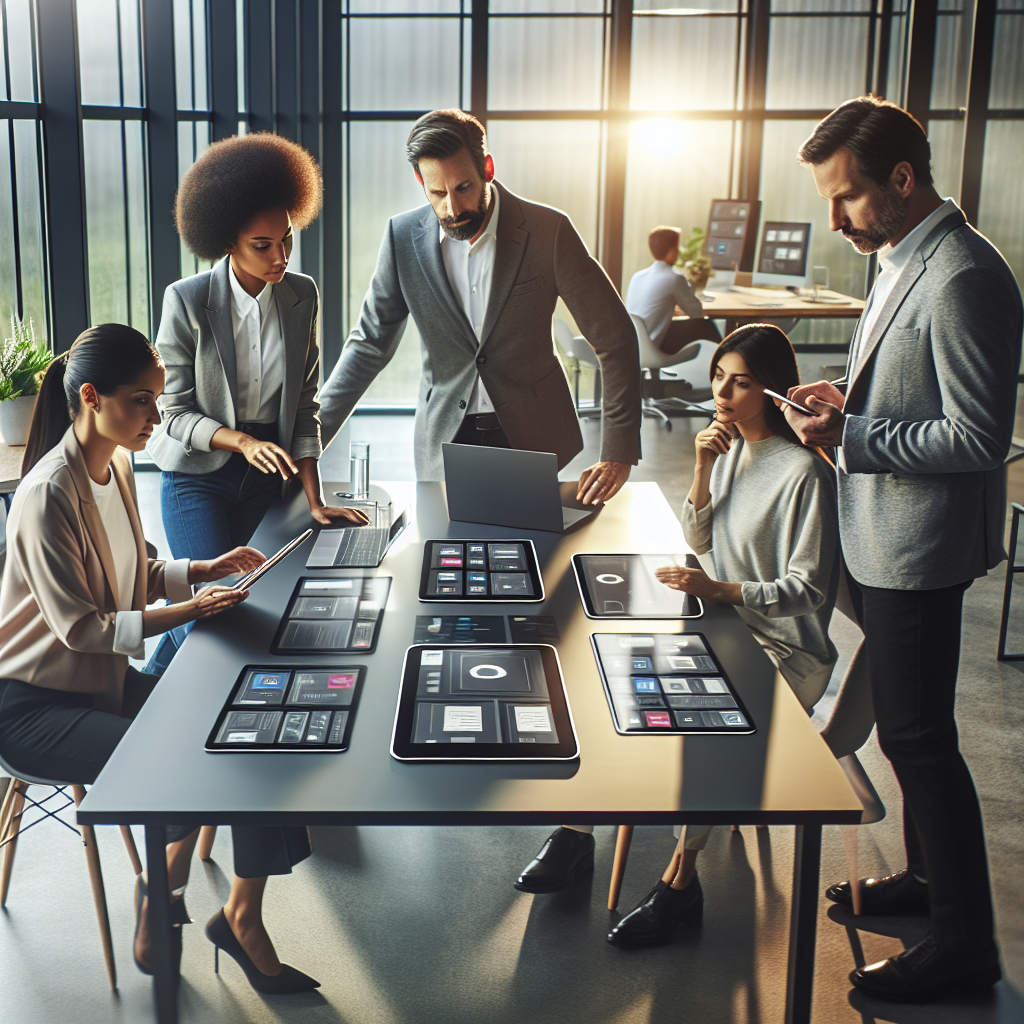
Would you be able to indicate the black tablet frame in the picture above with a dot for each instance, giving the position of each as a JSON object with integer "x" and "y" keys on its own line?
{"x": 290, "y": 652}
{"x": 532, "y": 567}
{"x": 403, "y": 749}
{"x": 213, "y": 747}
{"x": 675, "y": 730}
{"x": 588, "y": 605}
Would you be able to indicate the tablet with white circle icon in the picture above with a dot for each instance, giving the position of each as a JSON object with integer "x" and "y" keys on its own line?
{"x": 496, "y": 703}
{"x": 626, "y": 587}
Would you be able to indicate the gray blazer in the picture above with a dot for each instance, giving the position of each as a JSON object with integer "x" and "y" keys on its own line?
{"x": 539, "y": 258}
{"x": 196, "y": 342}
{"x": 930, "y": 410}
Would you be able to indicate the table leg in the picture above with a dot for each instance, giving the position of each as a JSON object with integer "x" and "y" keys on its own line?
{"x": 803, "y": 924}
{"x": 165, "y": 987}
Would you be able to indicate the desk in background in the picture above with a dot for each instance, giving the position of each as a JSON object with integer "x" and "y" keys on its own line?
{"x": 782, "y": 774}
{"x": 738, "y": 308}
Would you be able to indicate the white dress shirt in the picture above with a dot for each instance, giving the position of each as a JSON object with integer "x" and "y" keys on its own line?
{"x": 128, "y": 637}
{"x": 259, "y": 353}
{"x": 470, "y": 270}
{"x": 892, "y": 261}
{"x": 653, "y": 295}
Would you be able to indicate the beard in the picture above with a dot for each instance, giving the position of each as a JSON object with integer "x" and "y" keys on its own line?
{"x": 890, "y": 213}
{"x": 468, "y": 223}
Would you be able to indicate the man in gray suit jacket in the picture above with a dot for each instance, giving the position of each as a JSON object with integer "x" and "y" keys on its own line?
{"x": 924, "y": 427}
{"x": 480, "y": 271}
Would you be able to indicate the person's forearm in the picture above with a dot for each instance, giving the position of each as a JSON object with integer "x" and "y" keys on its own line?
{"x": 168, "y": 616}
{"x": 700, "y": 492}
{"x": 728, "y": 593}
{"x": 309, "y": 474}
{"x": 227, "y": 440}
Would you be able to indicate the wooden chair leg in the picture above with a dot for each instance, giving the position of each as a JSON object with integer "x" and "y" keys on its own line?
{"x": 622, "y": 841}
{"x": 99, "y": 895}
{"x": 11, "y": 829}
{"x": 133, "y": 852}
{"x": 207, "y": 834}
{"x": 850, "y": 836}
{"x": 5, "y": 807}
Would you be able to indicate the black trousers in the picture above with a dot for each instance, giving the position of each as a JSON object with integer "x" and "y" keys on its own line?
{"x": 681, "y": 333}
{"x": 482, "y": 429}
{"x": 913, "y": 648}
{"x": 52, "y": 734}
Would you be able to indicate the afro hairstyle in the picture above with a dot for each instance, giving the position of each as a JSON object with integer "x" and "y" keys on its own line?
{"x": 239, "y": 178}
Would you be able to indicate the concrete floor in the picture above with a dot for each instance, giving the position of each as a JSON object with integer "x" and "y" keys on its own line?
{"x": 422, "y": 926}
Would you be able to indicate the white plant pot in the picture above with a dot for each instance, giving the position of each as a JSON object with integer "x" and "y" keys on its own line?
{"x": 16, "y": 418}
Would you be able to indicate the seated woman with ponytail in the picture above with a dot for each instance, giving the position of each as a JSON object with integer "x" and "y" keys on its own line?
{"x": 764, "y": 508}
{"x": 73, "y": 610}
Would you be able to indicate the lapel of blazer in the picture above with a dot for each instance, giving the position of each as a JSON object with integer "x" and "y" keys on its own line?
{"x": 295, "y": 339}
{"x": 508, "y": 257}
{"x": 426, "y": 241}
{"x": 122, "y": 474}
{"x": 218, "y": 306}
{"x": 89, "y": 509}
{"x": 908, "y": 278}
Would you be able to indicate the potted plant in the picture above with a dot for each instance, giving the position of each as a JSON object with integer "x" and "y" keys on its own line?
{"x": 22, "y": 362}
{"x": 694, "y": 261}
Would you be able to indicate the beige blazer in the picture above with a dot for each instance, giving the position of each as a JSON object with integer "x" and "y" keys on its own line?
{"x": 59, "y": 599}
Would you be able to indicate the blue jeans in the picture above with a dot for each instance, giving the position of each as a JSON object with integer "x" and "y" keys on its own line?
{"x": 207, "y": 514}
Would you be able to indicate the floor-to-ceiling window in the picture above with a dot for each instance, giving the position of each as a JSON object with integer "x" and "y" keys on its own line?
{"x": 623, "y": 113}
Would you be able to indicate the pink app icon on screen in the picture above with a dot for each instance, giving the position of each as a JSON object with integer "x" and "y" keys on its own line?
{"x": 345, "y": 681}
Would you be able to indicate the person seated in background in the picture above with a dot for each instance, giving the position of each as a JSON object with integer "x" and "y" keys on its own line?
{"x": 73, "y": 609}
{"x": 655, "y": 291}
{"x": 764, "y": 506}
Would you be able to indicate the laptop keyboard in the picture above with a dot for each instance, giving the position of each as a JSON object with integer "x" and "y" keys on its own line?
{"x": 361, "y": 546}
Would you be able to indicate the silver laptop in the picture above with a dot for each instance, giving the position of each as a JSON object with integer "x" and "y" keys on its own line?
{"x": 510, "y": 487}
{"x": 354, "y": 547}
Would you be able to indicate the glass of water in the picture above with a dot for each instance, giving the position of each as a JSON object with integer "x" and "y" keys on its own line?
{"x": 359, "y": 469}
{"x": 819, "y": 278}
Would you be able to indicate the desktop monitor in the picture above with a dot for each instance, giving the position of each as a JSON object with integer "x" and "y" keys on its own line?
{"x": 732, "y": 233}
{"x": 785, "y": 253}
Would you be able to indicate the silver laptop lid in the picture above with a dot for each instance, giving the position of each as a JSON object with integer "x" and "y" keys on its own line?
{"x": 502, "y": 487}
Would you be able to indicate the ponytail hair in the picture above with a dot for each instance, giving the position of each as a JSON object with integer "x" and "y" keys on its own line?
{"x": 107, "y": 357}
{"x": 769, "y": 356}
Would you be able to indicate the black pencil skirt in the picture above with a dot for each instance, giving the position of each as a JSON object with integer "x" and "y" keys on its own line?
{"x": 52, "y": 734}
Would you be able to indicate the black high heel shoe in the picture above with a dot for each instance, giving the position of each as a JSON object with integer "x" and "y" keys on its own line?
{"x": 219, "y": 932}
{"x": 179, "y": 917}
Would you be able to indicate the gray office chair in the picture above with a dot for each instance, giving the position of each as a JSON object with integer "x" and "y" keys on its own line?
{"x": 579, "y": 354}
{"x": 12, "y": 814}
{"x": 690, "y": 364}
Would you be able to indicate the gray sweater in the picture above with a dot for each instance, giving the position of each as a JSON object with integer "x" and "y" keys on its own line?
{"x": 772, "y": 526}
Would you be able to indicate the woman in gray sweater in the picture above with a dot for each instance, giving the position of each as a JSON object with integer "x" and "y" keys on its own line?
{"x": 764, "y": 507}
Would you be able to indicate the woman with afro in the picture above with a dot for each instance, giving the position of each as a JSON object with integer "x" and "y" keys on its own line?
{"x": 241, "y": 346}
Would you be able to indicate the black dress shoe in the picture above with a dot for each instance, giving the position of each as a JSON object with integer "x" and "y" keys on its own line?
{"x": 658, "y": 915}
{"x": 900, "y": 894}
{"x": 566, "y": 854}
{"x": 926, "y": 972}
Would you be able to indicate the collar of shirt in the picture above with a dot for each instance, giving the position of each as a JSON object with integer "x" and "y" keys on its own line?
{"x": 491, "y": 231}
{"x": 893, "y": 259}
{"x": 245, "y": 304}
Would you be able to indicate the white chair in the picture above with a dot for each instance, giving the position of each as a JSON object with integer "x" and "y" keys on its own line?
{"x": 579, "y": 354}
{"x": 12, "y": 824}
{"x": 692, "y": 363}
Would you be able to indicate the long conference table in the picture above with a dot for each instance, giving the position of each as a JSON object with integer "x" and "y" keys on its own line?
{"x": 781, "y": 774}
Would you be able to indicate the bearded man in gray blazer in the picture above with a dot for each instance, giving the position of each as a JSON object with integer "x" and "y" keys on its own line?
{"x": 923, "y": 429}
{"x": 480, "y": 271}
